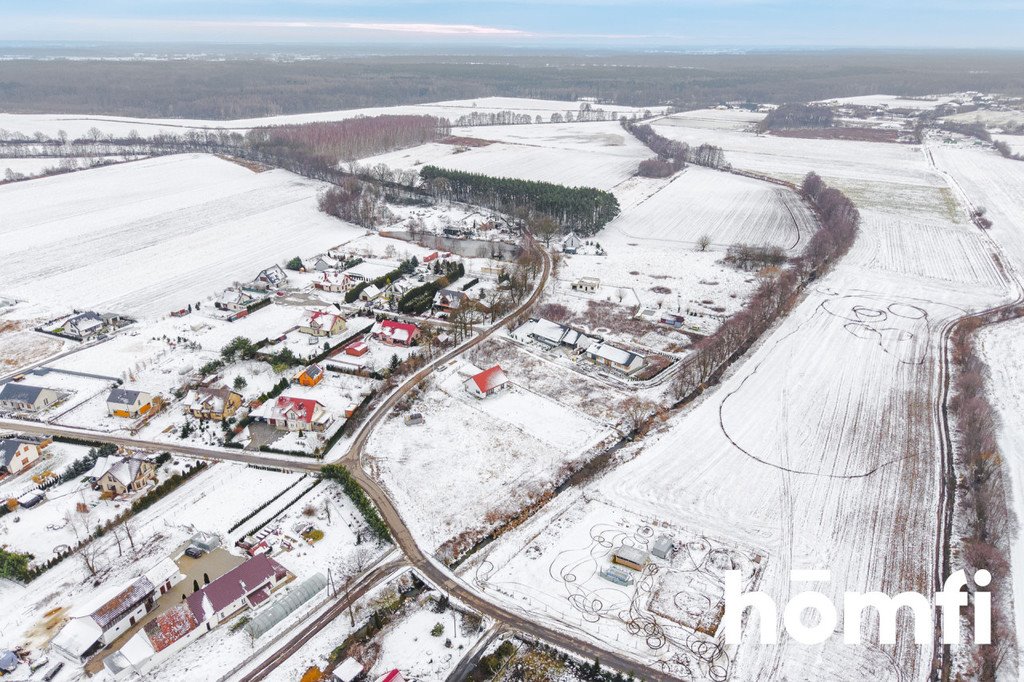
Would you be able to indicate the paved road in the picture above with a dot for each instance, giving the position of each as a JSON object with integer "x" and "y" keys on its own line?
{"x": 365, "y": 583}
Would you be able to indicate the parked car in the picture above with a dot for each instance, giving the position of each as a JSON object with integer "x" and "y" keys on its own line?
{"x": 194, "y": 552}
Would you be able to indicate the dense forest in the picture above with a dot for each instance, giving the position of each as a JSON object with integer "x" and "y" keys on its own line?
{"x": 245, "y": 87}
{"x": 797, "y": 116}
{"x": 584, "y": 210}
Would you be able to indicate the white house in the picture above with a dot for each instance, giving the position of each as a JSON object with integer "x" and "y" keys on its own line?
{"x": 273, "y": 277}
{"x": 487, "y": 382}
{"x": 571, "y": 243}
{"x": 15, "y": 396}
{"x": 87, "y": 325}
{"x": 587, "y": 285}
{"x": 16, "y": 454}
{"x": 616, "y": 358}
{"x": 113, "y": 611}
{"x": 122, "y": 402}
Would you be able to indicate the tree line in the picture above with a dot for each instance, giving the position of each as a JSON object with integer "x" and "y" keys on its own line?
{"x": 672, "y": 155}
{"x": 584, "y": 210}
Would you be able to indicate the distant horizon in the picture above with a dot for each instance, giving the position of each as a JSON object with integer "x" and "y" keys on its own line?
{"x": 608, "y": 24}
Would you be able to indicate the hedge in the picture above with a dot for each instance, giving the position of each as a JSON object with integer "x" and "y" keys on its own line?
{"x": 298, "y": 497}
{"x": 266, "y": 504}
{"x": 340, "y": 474}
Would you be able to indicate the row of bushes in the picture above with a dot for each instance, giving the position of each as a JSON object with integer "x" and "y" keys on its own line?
{"x": 298, "y": 497}
{"x": 341, "y": 475}
{"x": 263, "y": 506}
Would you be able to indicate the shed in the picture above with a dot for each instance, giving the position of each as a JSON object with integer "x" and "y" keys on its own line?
{"x": 205, "y": 541}
{"x": 630, "y": 557}
{"x": 662, "y": 547}
{"x": 348, "y": 670}
{"x": 617, "y": 575}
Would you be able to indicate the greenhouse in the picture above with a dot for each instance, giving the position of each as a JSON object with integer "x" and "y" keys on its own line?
{"x": 295, "y": 597}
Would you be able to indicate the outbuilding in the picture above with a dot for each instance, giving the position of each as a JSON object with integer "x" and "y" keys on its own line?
{"x": 630, "y": 557}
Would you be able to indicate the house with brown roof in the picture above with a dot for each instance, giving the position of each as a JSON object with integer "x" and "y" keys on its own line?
{"x": 218, "y": 404}
{"x": 121, "y": 475}
{"x": 113, "y": 611}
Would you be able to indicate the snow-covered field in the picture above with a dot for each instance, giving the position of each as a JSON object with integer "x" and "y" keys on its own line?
{"x": 152, "y": 236}
{"x": 506, "y": 450}
{"x": 598, "y": 155}
{"x": 729, "y": 209}
{"x": 78, "y": 126}
{"x": 808, "y": 450}
{"x": 893, "y": 101}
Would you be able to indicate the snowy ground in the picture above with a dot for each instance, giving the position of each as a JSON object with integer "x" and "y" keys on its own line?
{"x": 599, "y": 154}
{"x": 1002, "y": 348}
{"x": 78, "y": 126}
{"x": 113, "y": 237}
{"x": 497, "y": 455}
{"x": 808, "y": 448}
{"x": 894, "y": 101}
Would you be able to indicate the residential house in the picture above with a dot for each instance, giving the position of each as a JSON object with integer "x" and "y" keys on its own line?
{"x": 616, "y": 358}
{"x": 348, "y": 670}
{"x": 547, "y": 333}
{"x": 235, "y": 299}
{"x": 122, "y": 402}
{"x": 120, "y": 475}
{"x": 113, "y": 611}
{"x": 487, "y": 382}
{"x": 244, "y": 587}
{"x": 22, "y": 398}
{"x": 16, "y": 454}
{"x": 334, "y": 281}
{"x": 289, "y": 413}
{"x": 391, "y": 676}
{"x": 587, "y": 285}
{"x": 88, "y": 324}
{"x": 311, "y": 376}
{"x": 205, "y": 402}
{"x": 571, "y": 243}
{"x": 395, "y": 333}
{"x": 322, "y": 323}
{"x": 449, "y": 300}
{"x": 325, "y": 262}
{"x": 273, "y": 277}
{"x": 369, "y": 293}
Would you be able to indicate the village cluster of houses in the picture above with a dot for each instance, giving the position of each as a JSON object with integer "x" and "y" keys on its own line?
{"x": 554, "y": 336}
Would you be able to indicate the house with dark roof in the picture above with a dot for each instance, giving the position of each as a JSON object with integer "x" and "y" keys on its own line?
{"x": 123, "y": 402}
{"x": 21, "y": 398}
{"x": 113, "y": 611}
{"x": 88, "y": 325}
{"x": 311, "y": 376}
{"x": 487, "y": 382}
{"x": 16, "y": 454}
{"x": 244, "y": 587}
{"x": 608, "y": 355}
{"x": 449, "y": 300}
{"x": 273, "y": 277}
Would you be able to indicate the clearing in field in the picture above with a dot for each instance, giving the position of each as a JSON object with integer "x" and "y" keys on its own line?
{"x": 152, "y": 236}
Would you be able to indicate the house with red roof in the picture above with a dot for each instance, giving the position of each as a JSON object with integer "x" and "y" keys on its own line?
{"x": 291, "y": 413}
{"x": 395, "y": 333}
{"x": 322, "y": 323}
{"x": 391, "y": 676}
{"x": 487, "y": 382}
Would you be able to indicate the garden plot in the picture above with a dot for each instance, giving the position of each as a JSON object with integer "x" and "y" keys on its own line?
{"x": 497, "y": 455}
{"x": 539, "y": 374}
{"x": 669, "y": 612}
{"x": 19, "y": 345}
{"x": 115, "y": 237}
{"x": 728, "y": 209}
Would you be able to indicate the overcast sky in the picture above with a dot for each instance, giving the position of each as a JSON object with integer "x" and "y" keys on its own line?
{"x": 610, "y": 23}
